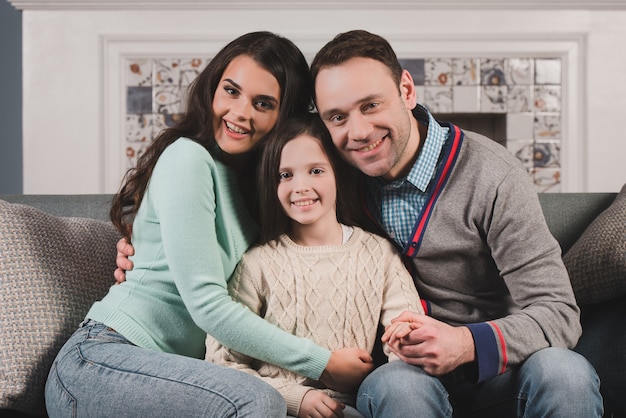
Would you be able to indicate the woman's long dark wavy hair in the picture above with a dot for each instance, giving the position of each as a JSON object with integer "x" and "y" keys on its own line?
{"x": 276, "y": 54}
{"x": 274, "y": 221}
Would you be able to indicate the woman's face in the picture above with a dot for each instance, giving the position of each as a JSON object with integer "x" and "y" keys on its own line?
{"x": 245, "y": 105}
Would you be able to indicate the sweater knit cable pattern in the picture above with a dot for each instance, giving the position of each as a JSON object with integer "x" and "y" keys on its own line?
{"x": 333, "y": 295}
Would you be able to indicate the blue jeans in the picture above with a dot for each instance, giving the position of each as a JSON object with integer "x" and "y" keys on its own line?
{"x": 553, "y": 382}
{"x": 99, "y": 373}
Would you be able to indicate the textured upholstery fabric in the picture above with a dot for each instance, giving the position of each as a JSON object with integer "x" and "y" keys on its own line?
{"x": 51, "y": 270}
{"x": 603, "y": 343}
{"x": 597, "y": 260}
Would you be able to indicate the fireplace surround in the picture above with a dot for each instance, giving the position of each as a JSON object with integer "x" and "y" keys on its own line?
{"x": 77, "y": 54}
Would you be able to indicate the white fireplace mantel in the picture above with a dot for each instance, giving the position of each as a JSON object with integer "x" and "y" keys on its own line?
{"x": 318, "y": 4}
{"x": 74, "y": 53}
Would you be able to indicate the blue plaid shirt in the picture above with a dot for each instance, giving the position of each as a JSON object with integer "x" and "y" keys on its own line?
{"x": 397, "y": 204}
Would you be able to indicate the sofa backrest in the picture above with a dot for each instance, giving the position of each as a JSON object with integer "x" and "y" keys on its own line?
{"x": 569, "y": 214}
{"x": 94, "y": 206}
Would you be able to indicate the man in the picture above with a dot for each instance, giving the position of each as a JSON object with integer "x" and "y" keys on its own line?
{"x": 501, "y": 311}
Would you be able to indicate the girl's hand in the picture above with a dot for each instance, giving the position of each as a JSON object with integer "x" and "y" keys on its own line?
{"x": 316, "y": 404}
{"x": 435, "y": 346}
{"x": 396, "y": 331}
{"x": 124, "y": 250}
{"x": 346, "y": 369}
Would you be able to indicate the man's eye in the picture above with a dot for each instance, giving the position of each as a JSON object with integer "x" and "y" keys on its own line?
{"x": 337, "y": 119}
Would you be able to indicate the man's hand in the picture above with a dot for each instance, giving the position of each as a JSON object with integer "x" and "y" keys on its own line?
{"x": 423, "y": 341}
{"x": 316, "y": 404}
{"x": 124, "y": 250}
{"x": 346, "y": 369}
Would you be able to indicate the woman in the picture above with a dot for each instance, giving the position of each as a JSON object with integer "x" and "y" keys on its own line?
{"x": 140, "y": 350}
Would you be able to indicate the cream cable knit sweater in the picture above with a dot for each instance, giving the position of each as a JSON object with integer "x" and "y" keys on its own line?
{"x": 333, "y": 295}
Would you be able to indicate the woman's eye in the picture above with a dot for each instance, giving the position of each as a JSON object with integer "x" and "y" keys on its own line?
{"x": 265, "y": 105}
{"x": 230, "y": 91}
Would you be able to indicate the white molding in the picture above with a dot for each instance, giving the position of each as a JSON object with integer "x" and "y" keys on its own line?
{"x": 319, "y": 4}
{"x": 569, "y": 47}
{"x": 574, "y": 164}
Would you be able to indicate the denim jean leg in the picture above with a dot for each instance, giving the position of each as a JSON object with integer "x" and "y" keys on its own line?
{"x": 98, "y": 374}
{"x": 398, "y": 389}
{"x": 553, "y": 382}
{"x": 560, "y": 383}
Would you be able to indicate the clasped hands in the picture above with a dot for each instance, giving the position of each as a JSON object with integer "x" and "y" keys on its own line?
{"x": 423, "y": 341}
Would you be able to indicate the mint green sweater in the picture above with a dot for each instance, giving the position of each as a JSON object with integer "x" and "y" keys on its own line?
{"x": 189, "y": 234}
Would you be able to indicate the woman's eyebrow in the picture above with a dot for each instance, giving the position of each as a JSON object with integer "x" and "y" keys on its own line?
{"x": 261, "y": 96}
{"x": 268, "y": 98}
{"x": 231, "y": 81}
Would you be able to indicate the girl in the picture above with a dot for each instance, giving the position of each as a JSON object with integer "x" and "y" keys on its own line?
{"x": 313, "y": 274}
{"x": 139, "y": 351}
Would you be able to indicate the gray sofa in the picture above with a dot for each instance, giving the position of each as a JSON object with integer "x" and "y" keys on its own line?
{"x": 57, "y": 255}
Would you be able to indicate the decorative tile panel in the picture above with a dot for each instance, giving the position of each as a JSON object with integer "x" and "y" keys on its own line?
{"x": 526, "y": 91}
{"x": 492, "y": 72}
{"x": 466, "y": 71}
{"x": 466, "y": 99}
{"x": 155, "y": 96}
{"x": 438, "y": 72}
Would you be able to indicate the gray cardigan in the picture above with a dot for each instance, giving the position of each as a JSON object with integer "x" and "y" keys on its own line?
{"x": 488, "y": 260}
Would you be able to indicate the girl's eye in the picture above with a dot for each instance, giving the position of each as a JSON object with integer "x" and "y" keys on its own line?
{"x": 284, "y": 176}
{"x": 317, "y": 171}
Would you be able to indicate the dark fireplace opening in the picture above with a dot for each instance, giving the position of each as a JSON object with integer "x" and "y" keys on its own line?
{"x": 492, "y": 125}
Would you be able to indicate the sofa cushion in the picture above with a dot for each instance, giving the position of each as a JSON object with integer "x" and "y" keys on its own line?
{"x": 597, "y": 260}
{"x": 51, "y": 270}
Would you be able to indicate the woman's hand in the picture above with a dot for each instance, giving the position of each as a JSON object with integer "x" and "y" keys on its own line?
{"x": 316, "y": 404}
{"x": 346, "y": 369}
{"x": 124, "y": 250}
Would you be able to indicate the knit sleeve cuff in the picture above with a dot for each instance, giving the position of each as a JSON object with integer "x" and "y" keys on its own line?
{"x": 293, "y": 397}
{"x": 489, "y": 359}
{"x": 318, "y": 360}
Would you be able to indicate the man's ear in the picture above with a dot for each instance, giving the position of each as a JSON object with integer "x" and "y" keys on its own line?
{"x": 407, "y": 90}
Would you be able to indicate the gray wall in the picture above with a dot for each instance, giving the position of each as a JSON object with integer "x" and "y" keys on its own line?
{"x": 10, "y": 99}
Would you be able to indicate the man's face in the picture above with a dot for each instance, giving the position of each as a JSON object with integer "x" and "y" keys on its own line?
{"x": 369, "y": 116}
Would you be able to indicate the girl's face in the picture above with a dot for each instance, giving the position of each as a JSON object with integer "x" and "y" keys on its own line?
{"x": 307, "y": 190}
{"x": 245, "y": 105}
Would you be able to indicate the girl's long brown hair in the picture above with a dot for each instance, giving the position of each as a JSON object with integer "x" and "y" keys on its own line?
{"x": 276, "y": 54}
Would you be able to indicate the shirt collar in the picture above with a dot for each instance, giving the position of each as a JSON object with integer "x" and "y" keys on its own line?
{"x": 424, "y": 168}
